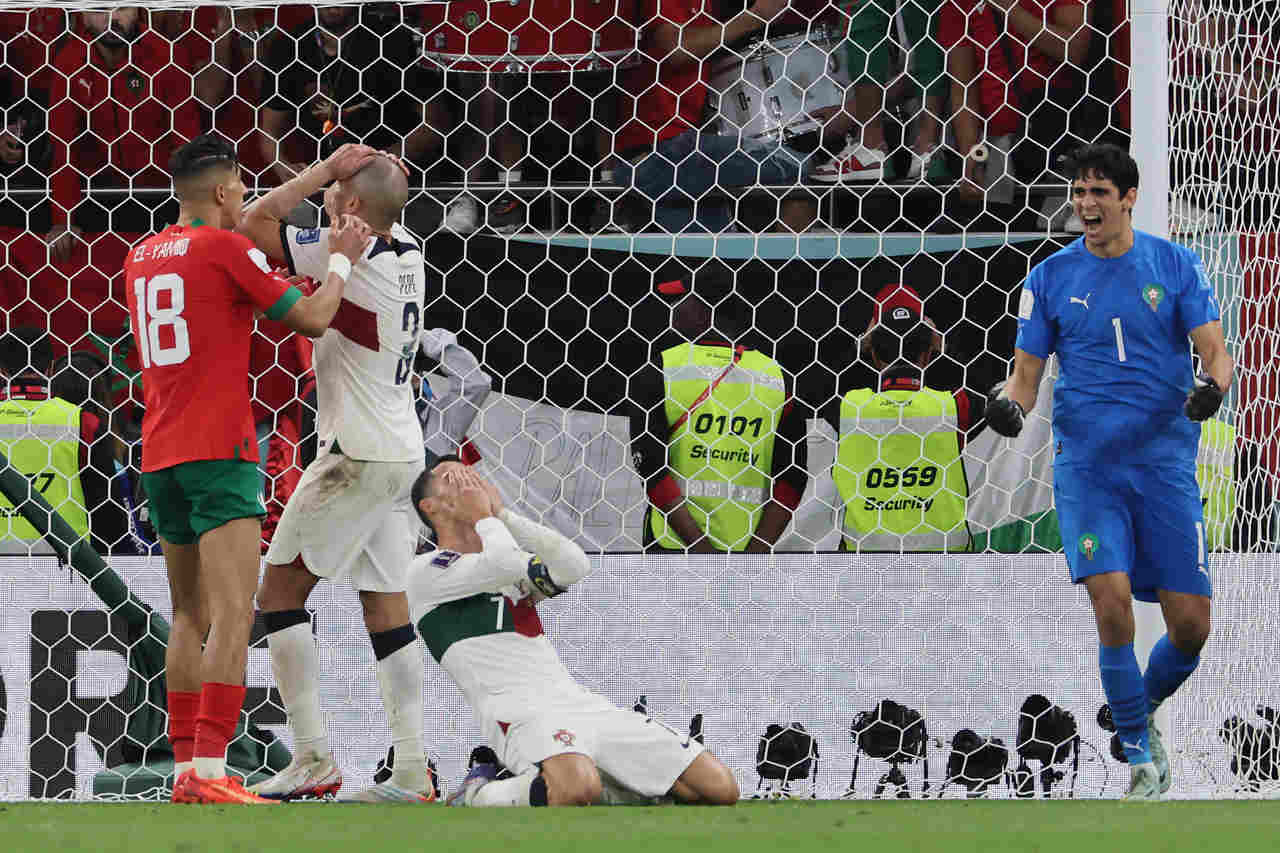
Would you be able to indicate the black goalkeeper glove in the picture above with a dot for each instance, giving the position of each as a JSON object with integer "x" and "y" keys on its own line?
{"x": 1005, "y": 416}
{"x": 1204, "y": 399}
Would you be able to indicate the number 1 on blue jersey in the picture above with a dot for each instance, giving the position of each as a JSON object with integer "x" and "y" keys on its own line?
{"x": 1115, "y": 321}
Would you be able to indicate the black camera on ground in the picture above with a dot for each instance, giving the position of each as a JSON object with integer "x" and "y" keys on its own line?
{"x": 1254, "y": 756}
{"x": 1049, "y": 734}
{"x": 976, "y": 763}
{"x": 385, "y": 765}
{"x": 894, "y": 733}
{"x": 786, "y": 753}
{"x": 1108, "y": 724}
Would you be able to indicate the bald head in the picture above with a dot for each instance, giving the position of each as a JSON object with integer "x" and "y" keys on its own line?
{"x": 383, "y": 191}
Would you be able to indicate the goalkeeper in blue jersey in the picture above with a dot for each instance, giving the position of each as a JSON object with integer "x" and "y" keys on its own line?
{"x": 1118, "y": 306}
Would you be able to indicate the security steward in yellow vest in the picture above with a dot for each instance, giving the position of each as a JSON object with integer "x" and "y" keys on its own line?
{"x": 1216, "y": 474}
{"x": 62, "y": 449}
{"x": 716, "y": 436}
{"x": 898, "y": 467}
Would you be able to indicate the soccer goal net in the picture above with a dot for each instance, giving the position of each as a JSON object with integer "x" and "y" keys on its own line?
{"x": 598, "y": 184}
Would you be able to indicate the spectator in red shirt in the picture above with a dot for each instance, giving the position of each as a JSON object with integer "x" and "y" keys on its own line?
{"x": 1006, "y": 59}
{"x": 119, "y": 108}
{"x": 663, "y": 151}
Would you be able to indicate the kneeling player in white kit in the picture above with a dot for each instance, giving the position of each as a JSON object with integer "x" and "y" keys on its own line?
{"x": 350, "y": 516}
{"x": 474, "y": 602}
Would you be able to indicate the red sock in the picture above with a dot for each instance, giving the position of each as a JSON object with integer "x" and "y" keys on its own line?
{"x": 219, "y": 712}
{"x": 183, "y": 708}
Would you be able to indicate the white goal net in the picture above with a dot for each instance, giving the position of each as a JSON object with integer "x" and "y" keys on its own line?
{"x": 594, "y": 183}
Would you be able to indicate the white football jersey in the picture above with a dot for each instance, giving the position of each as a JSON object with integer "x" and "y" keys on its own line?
{"x": 477, "y": 618}
{"x": 364, "y": 361}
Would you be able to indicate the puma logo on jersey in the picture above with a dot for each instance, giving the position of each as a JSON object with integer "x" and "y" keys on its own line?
{"x": 1134, "y": 746}
{"x": 1085, "y": 301}
{"x": 1202, "y": 570}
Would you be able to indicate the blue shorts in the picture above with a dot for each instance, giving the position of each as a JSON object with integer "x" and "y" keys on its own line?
{"x": 1146, "y": 522}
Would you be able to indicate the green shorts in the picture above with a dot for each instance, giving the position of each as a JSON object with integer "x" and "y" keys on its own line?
{"x": 872, "y": 32}
{"x": 190, "y": 499}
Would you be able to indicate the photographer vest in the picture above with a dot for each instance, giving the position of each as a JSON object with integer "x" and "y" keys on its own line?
{"x": 723, "y": 406}
{"x": 1216, "y": 474}
{"x": 899, "y": 472}
{"x": 41, "y": 439}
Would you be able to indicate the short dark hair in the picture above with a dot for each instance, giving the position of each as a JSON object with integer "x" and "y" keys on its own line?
{"x": 26, "y": 349}
{"x": 200, "y": 154}
{"x": 1105, "y": 162}
{"x": 422, "y": 486}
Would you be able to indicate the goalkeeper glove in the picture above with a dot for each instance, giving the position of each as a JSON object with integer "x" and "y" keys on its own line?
{"x": 1204, "y": 399}
{"x": 1005, "y": 416}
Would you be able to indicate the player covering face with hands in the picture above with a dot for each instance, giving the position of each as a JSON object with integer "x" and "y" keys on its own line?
{"x": 1117, "y": 306}
{"x": 474, "y": 600}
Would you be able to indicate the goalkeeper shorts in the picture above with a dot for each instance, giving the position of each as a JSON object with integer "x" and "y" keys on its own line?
{"x": 1145, "y": 521}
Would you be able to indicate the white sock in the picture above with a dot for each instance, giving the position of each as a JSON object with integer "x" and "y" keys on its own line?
{"x": 180, "y": 767}
{"x": 506, "y": 792}
{"x": 400, "y": 682}
{"x": 513, "y": 176}
{"x": 296, "y": 664}
{"x": 210, "y": 768}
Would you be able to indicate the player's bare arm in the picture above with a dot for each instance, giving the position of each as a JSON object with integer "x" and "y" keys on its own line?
{"x": 311, "y": 315}
{"x": 1005, "y": 413}
{"x": 1216, "y": 371}
{"x": 261, "y": 222}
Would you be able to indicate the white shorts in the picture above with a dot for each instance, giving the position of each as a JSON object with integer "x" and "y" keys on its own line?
{"x": 351, "y": 519}
{"x": 639, "y": 753}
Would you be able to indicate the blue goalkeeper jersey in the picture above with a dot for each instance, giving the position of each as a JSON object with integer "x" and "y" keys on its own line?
{"x": 1119, "y": 327}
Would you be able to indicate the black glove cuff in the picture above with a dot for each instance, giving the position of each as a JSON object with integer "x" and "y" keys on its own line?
{"x": 541, "y": 578}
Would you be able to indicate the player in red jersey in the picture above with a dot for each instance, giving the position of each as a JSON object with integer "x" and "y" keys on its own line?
{"x": 193, "y": 290}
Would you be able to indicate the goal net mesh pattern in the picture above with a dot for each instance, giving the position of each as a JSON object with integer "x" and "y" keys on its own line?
{"x": 577, "y": 167}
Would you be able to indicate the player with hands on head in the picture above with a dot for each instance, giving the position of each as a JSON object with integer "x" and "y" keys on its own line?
{"x": 474, "y": 600}
{"x": 349, "y": 516}
{"x": 193, "y": 290}
{"x": 1117, "y": 306}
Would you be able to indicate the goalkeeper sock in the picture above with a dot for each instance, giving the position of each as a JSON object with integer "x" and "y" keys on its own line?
{"x": 215, "y": 725}
{"x": 1127, "y": 695}
{"x": 1166, "y": 670}
{"x": 400, "y": 682}
{"x": 184, "y": 706}
{"x": 527, "y": 789}
{"x": 295, "y": 663}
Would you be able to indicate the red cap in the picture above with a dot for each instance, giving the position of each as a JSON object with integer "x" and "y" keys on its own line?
{"x": 894, "y": 296}
{"x": 672, "y": 288}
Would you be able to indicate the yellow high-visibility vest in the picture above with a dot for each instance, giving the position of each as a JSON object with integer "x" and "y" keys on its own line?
{"x": 1216, "y": 474}
{"x": 722, "y": 455}
{"x": 899, "y": 472}
{"x": 41, "y": 439}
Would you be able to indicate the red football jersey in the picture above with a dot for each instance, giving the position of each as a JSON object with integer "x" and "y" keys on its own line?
{"x": 192, "y": 295}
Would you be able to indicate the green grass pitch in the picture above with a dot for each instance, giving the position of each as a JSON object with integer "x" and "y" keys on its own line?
{"x": 1080, "y": 826}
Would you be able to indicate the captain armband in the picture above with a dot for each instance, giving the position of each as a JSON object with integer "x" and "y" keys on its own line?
{"x": 541, "y": 578}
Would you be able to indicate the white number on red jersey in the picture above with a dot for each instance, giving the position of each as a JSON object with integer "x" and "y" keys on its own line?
{"x": 152, "y": 318}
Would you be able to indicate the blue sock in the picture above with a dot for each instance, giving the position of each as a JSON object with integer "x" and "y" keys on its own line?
{"x": 1122, "y": 682}
{"x": 1166, "y": 670}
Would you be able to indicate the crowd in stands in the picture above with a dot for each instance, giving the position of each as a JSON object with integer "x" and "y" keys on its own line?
{"x": 668, "y": 117}
{"x": 95, "y": 101}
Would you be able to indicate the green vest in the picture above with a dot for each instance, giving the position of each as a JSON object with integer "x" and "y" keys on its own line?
{"x": 899, "y": 472}
{"x": 41, "y": 439}
{"x": 1216, "y": 474}
{"x": 722, "y": 455}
